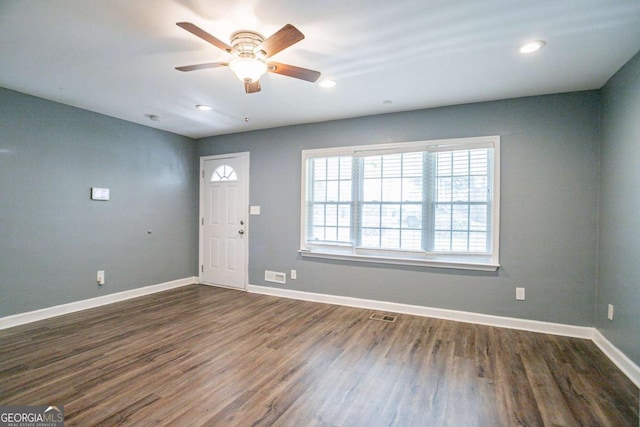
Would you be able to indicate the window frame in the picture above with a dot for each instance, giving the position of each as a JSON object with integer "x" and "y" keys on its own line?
{"x": 466, "y": 261}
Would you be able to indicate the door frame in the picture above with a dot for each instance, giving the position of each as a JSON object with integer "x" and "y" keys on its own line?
{"x": 203, "y": 159}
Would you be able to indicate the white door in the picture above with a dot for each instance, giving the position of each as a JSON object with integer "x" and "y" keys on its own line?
{"x": 224, "y": 209}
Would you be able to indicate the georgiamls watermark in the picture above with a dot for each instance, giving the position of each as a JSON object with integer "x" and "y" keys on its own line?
{"x": 31, "y": 416}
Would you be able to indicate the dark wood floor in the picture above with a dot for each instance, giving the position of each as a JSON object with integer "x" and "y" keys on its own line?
{"x": 199, "y": 355}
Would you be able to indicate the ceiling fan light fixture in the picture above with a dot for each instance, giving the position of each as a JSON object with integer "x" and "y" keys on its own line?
{"x": 248, "y": 70}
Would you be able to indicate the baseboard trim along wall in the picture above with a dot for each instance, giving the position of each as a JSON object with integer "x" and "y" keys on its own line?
{"x": 625, "y": 364}
{"x": 46, "y": 313}
{"x": 621, "y": 360}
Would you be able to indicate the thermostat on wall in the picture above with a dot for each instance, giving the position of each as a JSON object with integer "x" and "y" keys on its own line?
{"x": 99, "y": 193}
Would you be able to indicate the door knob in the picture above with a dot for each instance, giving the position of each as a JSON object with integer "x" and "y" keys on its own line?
{"x": 240, "y": 231}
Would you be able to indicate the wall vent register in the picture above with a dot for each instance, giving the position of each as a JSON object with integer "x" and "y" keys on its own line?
{"x": 275, "y": 276}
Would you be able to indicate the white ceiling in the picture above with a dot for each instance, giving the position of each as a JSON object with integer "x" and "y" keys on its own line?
{"x": 117, "y": 57}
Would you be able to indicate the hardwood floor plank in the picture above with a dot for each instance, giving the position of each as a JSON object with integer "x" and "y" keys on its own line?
{"x": 514, "y": 390}
{"x": 484, "y": 352}
{"x": 553, "y": 407}
{"x": 203, "y": 356}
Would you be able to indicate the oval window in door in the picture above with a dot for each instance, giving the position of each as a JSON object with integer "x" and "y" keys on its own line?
{"x": 224, "y": 173}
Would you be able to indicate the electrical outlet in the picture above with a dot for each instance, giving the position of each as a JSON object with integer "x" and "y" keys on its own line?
{"x": 100, "y": 277}
{"x": 520, "y": 294}
{"x": 610, "y": 312}
{"x": 294, "y": 275}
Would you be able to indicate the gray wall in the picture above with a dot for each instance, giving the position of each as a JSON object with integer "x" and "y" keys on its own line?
{"x": 53, "y": 238}
{"x": 548, "y": 210}
{"x": 619, "y": 254}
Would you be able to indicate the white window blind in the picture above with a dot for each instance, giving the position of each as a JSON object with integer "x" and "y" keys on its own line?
{"x": 427, "y": 203}
{"x": 462, "y": 200}
{"x": 390, "y": 207}
{"x": 330, "y": 201}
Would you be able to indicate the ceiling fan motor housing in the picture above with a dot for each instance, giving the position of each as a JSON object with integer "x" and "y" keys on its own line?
{"x": 246, "y": 42}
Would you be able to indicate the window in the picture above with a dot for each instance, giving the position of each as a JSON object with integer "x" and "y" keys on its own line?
{"x": 224, "y": 173}
{"x": 432, "y": 203}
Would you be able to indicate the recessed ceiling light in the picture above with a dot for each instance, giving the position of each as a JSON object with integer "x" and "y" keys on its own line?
{"x": 203, "y": 107}
{"x": 532, "y": 46}
{"x": 327, "y": 83}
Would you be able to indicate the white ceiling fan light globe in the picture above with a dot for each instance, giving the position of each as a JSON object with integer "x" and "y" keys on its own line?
{"x": 248, "y": 70}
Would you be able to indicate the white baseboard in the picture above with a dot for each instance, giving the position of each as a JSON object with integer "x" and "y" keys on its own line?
{"x": 617, "y": 357}
{"x": 439, "y": 313}
{"x": 45, "y": 313}
{"x": 625, "y": 364}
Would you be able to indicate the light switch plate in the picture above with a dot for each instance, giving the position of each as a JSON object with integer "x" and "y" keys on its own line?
{"x": 520, "y": 294}
{"x": 254, "y": 210}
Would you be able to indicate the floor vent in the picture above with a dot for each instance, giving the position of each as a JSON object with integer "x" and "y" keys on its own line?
{"x": 383, "y": 317}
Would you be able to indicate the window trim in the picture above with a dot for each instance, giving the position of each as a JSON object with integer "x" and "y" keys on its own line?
{"x": 481, "y": 262}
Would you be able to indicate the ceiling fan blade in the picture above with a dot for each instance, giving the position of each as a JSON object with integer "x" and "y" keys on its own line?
{"x": 293, "y": 71}
{"x": 252, "y": 87}
{"x": 197, "y": 31}
{"x": 282, "y": 39}
{"x": 202, "y": 66}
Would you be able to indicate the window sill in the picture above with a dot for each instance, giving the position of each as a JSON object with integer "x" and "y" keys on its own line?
{"x": 453, "y": 262}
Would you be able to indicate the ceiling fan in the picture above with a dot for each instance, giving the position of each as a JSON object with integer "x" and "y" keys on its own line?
{"x": 251, "y": 51}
